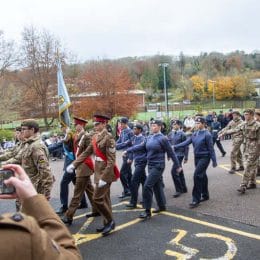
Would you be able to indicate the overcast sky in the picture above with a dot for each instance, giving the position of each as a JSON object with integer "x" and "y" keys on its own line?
{"x": 119, "y": 28}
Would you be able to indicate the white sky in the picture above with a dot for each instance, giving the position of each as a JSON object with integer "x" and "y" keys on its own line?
{"x": 119, "y": 28}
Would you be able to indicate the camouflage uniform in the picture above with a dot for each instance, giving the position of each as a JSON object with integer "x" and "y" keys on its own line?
{"x": 251, "y": 135}
{"x": 33, "y": 157}
{"x": 237, "y": 140}
{"x": 11, "y": 153}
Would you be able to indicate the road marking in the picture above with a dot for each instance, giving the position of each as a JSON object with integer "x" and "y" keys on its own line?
{"x": 190, "y": 252}
{"x": 212, "y": 225}
{"x": 227, "y": 167}
{"x": 113, "y": 206}
{"x": 81, "y": 238}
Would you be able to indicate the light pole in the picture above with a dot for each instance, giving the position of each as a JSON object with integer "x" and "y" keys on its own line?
{"x": 213, "y": 92}
{"x": 165, "y": 65}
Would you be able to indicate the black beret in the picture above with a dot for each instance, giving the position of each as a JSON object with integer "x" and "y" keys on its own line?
{"x": 200, "y": 120}
{"x": 157, "y": 122}
{"x": 138, "y": 126}
{"x": 176, "y": 122}
{"x": 124, "y": 120}
{"x": 18, "y": 129}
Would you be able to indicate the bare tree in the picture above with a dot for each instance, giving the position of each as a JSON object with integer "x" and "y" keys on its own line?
{"x": 39, "y": 56}
{"x": 7, "y": 54}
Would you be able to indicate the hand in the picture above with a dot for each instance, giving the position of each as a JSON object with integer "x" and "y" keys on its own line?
{"x": 129, "y": 161}
{"x": 178, "y": 170}
{"x": 70, "y": 168}
{"x": 101, "y": 183}
{"x": 23, "y": 187}
{"x": 185, "y": 161}
{"x": 214, "y": 164}
{"x": 67, "y": 130}
{"x": 124, "y": 153}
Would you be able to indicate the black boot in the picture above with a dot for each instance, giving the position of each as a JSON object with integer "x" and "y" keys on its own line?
{"x": 108, "y": 228}
{"x": 146, "y": 214}
{"x": 67, "y": 220}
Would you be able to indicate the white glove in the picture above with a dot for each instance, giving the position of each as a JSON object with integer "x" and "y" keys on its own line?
{"x": 101, "y": 183}
{"x": 70, "y": 168}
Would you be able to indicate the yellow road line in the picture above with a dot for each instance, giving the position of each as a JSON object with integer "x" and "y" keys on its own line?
{"x": 113, "y": 206}
{"x": 227, "y": 167}
{"x": 212, "y": 225}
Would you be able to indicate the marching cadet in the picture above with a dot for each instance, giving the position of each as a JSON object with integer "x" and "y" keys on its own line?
{"x": 250, "y": 132}
{"x": 203, "y": 152}
{"x": 175, "y": 137}
{"x": 37, "y": 233}
{"x": 105, "y": 172}
{"x": 33, "y": 157}
{"x": 123, "y": 142}
{"x": 156, "y": 146}
{"x": 140, "y": 161}
{"x": 70, "y": 143}
{"x": 11, "y": 153}
{"x": 257, "y": 118}
{"x": 237, "y": 140}
{"x": 215, "y": 128}
{"x": 83, "y": 181}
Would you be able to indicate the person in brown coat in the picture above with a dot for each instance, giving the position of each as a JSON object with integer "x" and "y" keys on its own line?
{"x": 103, "y": 147}
{"x": 37, "y": 232}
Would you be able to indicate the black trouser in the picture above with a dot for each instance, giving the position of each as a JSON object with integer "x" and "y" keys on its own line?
{"x": 154, "y": 183}
{"x": 178, "y": 178}
{"x": 200, "y": 189}
{"x": 138, "y": 178}
{"x": 219, "y": 145}
{"x": 126, "y": 176}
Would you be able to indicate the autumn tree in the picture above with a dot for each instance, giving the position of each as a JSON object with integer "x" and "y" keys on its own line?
{"x": 38, "y": 73}
{"x": 110, "y": 86}
{"x": 242, "y": 87}
{"x": 198, "y": 85}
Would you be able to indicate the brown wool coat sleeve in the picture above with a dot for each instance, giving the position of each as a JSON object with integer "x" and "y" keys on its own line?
{"x": 51, "y": 239}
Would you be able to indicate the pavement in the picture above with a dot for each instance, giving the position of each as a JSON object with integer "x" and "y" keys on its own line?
{"x": 225, "y": 227}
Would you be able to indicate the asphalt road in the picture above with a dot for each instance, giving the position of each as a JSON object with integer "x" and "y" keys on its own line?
{"x": 225, "y": 227}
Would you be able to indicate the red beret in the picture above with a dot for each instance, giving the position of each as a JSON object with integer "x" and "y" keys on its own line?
{"x": 100, "y": 119}
{"x": 80, "y": 121}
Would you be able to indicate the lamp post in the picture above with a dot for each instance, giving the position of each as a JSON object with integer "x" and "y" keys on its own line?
{"x": 164, "y": 66}
{"x": 213, "y": 92}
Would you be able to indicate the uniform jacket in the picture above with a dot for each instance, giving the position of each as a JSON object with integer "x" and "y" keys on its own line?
{"x": 232, "y": 125}
{"x": 11, "y": 153}
{"x": 103, "y": 170}
{"x": 33, "y": 157}
{"x": 215, "y": 128}
{"x": 250, "y": 134}
{"x": 156, "y": 146}
{"x": 202, "y": 144}
{"x": 36, "y": 234}
{"x": 177, "y": 137}
{"x": 139, "y": 157}
{"x": 83, "y": 170}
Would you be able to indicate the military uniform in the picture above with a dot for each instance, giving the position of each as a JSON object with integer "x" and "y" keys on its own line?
{"x": 103, "y": 171}
{"x": 83, "y": 180}
{"x": 250, "y": 132}
{"x": 237, "y": 140}
{"x": 36, "y": 234}
{"x": 7, "y": 155}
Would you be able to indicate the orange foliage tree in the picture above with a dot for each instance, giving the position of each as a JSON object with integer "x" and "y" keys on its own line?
{"x": 198, "y": 85}
{"x": 108, "y": 88}
{"x": 223, "y": 88}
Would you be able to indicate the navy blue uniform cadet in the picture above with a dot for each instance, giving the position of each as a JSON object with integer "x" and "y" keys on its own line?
{"x": 140, "y": 161}
{"x": 123, "y": 142}
{"x": 156, "y": 146}
{"x": 203, "y": 152}
{"x": 175, "y": 137}
{"x": 215, "y": 128}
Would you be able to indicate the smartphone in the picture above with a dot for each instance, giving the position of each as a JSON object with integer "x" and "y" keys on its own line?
{"x": 4, "y": 175}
